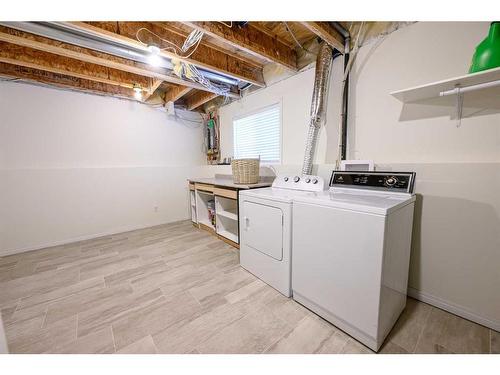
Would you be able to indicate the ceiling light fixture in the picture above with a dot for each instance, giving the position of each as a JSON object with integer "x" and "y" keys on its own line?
{"x": 137, "y": 91}
{"x": 154, "y": 57}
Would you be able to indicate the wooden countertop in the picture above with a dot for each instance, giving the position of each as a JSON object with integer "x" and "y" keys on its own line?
{"x": 227, "y": 181}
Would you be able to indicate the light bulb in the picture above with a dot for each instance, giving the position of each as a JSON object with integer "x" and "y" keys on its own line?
{"x": 154, "y": 57}
{"x": 137, "y": 91}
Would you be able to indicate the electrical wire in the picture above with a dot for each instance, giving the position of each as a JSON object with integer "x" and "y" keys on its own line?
{"x": 295, "y": 39}
{"x": 184, "y": 69}
{"x": 191, "y": 72}
{"x": 194, "y": 38}
{"x": 159, "y": 37}
{"x": 183, "y": 119}
{"x": 225, "y": 24}
{"x": 9, "y": 79}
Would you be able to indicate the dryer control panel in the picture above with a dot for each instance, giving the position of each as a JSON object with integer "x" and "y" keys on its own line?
{"x": 299, "y": 182}
{"x": 401, "y": 182}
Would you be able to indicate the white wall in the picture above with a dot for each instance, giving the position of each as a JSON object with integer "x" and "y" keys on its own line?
{"x": 456, "y": 252}
{"x": 294, "y": 94}
{"x": 383, "y": 129}
{"x": 75, "y": 166}
{"x": 456, "y": 246}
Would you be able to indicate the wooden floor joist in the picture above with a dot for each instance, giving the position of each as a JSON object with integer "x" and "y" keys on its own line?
{"x": 204, "y": 56}
{"x": 176, "y": 92}
{"x": 153, "y": 86}
{"x": 95, "y": 57}
{"x": 63, "y": 81}
{"x": 250, "y": 40}
{"x": 35, "y": 59}
{"x": 326, "y": 32}
{"x": 199, "y": 98}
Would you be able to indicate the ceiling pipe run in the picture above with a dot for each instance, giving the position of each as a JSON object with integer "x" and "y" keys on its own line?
{"x": 345, "y": 94}
{"x": 67, "y": 33}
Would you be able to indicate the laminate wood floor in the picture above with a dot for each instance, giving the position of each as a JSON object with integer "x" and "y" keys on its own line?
{"x": 176, "y": 289}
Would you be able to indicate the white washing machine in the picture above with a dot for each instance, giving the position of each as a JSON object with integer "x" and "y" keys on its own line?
{"x": 351, "y": 251}
{"x": 265, "y": 217}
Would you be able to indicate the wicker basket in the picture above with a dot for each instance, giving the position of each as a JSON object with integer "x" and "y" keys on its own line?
{"x": 245, "y": 171}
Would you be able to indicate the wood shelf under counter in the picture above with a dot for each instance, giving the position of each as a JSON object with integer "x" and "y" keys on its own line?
{"x": 225, "y": 195}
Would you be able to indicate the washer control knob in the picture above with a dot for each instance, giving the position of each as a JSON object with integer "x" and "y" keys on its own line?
{"x": 391, "y": 181}
{"x": 296, "y": 179}
{"x": 286, "y": 179}
{"x": 308, "y": 180}
{"x": 315, "y": 180}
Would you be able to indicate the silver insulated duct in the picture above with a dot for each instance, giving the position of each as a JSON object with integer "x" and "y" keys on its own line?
{"x": 318, "y": 104}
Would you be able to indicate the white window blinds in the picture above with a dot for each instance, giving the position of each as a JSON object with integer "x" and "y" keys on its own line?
{"x": 258, "y": 134}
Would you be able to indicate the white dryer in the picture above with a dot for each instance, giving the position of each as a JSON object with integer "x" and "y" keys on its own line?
{"x": 351, "y": 251}
{"x": 265, "y": 217}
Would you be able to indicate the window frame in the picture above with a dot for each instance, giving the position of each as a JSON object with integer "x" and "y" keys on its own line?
{"x": 256, "y": 110}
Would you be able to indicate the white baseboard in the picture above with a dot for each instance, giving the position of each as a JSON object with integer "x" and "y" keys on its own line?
{"x": 454, "y": 309}
{"x": 82, "y": 238}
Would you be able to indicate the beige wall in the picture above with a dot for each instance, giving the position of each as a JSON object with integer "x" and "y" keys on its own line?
{"x": 456, "y": 242}
{"x": 76, "y": 166}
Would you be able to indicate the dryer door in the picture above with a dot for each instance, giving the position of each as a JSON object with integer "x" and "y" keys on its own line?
{"x": 263, "y": 229}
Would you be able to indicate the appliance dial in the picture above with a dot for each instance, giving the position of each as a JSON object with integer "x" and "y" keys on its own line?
{"x": 315, "y": 180}
{"x": 286, "y": 179}
{"x": 308, "y": 180}
{"x": 391, "y": 181}
{"x": 296, "y": 179}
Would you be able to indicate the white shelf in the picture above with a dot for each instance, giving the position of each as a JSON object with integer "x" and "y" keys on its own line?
{"x": 230, "y": 236}
{"x": 480, "y": 96}
{"x": 227, "y": 214}
{"x": 202, "y": 212}
{"x": 192, "y": 198}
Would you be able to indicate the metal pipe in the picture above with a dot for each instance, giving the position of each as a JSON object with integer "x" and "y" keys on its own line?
{"x": 318, "y": 104}
{"x": 345, "y": 103}
{"x": 341, "y": 29}
{"x": 79, "y": 39}
{"x": 71, "y": 34}
{"x": 217, "y": 77}
{"x": 461, "y": 90}
{"x": 345, "y": 94}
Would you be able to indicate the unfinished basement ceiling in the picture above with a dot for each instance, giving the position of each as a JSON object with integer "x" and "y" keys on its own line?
{"x": 111, "y": 58}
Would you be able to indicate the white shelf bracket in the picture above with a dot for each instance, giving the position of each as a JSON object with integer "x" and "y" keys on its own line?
{"x": 459, "y": 106}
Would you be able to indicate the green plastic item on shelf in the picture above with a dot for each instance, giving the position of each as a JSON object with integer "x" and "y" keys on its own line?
{"x": 487, "y": 55}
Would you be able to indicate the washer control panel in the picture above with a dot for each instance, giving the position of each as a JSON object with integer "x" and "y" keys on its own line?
{"x": 389, "y": 181}
{"x": 299, "y": 182}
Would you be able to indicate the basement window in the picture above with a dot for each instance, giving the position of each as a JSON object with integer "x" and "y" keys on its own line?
{"x": 259, "y": 135}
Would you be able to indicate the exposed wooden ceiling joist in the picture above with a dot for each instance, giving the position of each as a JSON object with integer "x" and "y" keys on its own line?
{"x": 251, "y": 40}
{"x": 174, "y": 93}
{"x": 153, "y": 86}
{"x": 328, "y": 33}
{"x": 183, "y": 30}
{"x": 35, "y": 59}
{"x": 63, "y": 81}
{"x": 217, "y": 43}
{"x": 95, "y": 57}
{"x": 199, "y": 98}
{"x": 204, "y": 57}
